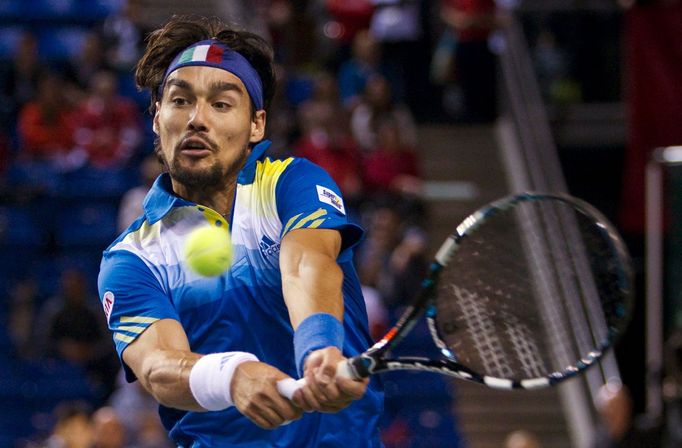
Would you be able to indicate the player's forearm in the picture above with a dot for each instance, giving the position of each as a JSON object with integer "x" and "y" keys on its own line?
{"x": 165, "y": 375}
{"x": 312, "y": 286}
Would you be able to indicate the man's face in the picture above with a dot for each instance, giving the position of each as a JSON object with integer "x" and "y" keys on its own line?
{"x": 204, "y": 125}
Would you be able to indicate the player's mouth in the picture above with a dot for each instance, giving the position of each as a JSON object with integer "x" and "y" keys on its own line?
{"x": 195, "y": 147}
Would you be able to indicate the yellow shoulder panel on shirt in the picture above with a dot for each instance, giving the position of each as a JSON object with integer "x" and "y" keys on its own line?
{"x": 267, "y": 175}
{"x": 145, "y": 234}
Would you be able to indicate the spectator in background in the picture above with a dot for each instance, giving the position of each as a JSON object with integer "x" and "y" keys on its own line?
{"x": 131, "y": 202}
{"x": 349, "y": 18}
{"x": 354, "y": 72}
{"x": 473, "y": 22}
{"x": 73, "y": 328}
{"x": 617, "y": 427}
{"x": 108, "y": 126}
{"x": 107, "y": 429}
{"x": 76, "y": 333}
{"x": 124, "y": 35}
{"x": 377, "y": 104}
{"x": 551, "y": 65}
{"x": 138, "y": 412}
{"x": 90, "y": 60}
{"x": 46, "y": 125}
{"x": 392, "y": 259}
{"x": 521, "y": 439}
{"x": 73, "y": 427}
{"x": 24, "y": 301}
{"x": 19, "y": 78}
{"x": 326, "y": 141}
{"x": 391, "y": 166}
{"x": 397, "y": 26}
{"x": 324, "y": 101}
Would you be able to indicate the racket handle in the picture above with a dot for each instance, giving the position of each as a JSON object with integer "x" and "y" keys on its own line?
{"x": 288, "y": 386}
{"x": 343, "y": 370}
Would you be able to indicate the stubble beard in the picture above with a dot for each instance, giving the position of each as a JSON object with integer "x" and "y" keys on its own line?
{"x": 213, "y": 177}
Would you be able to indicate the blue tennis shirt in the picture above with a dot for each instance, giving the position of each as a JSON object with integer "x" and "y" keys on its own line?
{"x": 143, "y": 278}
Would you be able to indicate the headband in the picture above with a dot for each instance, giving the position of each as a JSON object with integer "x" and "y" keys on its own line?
{"x": 212, "y": 53}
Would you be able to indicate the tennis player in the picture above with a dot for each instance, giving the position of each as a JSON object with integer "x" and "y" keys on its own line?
{"x": 211, "y": 349}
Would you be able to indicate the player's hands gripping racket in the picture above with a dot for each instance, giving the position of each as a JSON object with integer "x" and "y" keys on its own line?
{"x": 528, "y": 291}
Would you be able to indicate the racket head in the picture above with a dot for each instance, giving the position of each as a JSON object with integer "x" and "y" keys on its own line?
{"x": 532, "y": 289}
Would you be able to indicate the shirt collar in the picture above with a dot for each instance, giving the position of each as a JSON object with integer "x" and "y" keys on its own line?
{"x": 161, "y": 198}
{"x": 247, "y": 174}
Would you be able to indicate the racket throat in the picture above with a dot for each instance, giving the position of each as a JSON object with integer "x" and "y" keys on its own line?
{"x": 361, "y": 366}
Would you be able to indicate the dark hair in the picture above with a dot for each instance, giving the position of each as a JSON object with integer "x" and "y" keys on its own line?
{"x": 182, "y": 31}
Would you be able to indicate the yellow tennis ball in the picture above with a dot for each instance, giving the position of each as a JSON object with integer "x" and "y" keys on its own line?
{"x": 208, "y": 250}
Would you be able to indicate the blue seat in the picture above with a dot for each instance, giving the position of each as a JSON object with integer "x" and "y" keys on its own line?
{"x": 86, "y": 224}
{"x": 299, "y": 89}
{"x": 9, "y": 39}
{"x": 128, "y": 89}
{"x": 417, "y": 388}
{"x": 10, "y": 9}
{"x": 435, "y": 426}
{"x": 96, "y": 183}
{"x": 61, "y": 43}
{"x": 21, "y": 227}
{"x": 36, "y": 175}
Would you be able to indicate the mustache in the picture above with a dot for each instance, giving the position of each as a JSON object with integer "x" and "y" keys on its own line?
{"x": 213, "y": 146}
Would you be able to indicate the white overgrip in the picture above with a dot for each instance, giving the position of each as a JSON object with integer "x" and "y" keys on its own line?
{"x": 343, "y": 370}
{"x": 288, "y": 386}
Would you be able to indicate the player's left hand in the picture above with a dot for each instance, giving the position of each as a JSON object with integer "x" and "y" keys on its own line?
{"x": 324, "y": 391}
{"x": 255, "y": 395}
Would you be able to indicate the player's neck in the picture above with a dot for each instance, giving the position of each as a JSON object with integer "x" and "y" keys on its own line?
{"x": 219, "y": 199}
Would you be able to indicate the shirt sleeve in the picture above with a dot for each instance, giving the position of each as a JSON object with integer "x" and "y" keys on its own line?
{"x": 308, "y": 198}
{"x": 132, "y": 298}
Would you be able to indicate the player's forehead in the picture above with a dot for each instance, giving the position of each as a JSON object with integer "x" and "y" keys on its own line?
{"x": 205, "y": 80}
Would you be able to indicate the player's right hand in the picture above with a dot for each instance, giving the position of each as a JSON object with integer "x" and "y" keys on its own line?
{"x": 324, "y": 391}
{"x": 255, "y": 395}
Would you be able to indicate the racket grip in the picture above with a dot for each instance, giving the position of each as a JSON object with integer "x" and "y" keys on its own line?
{"x": 344, "y": 370}
{"x": 288, "y": 386}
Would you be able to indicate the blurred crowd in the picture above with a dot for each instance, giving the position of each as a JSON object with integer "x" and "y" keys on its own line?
{"x": 76, "y": 161}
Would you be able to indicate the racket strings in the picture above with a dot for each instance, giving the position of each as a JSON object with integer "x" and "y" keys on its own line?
{"x": 535, "y": 289}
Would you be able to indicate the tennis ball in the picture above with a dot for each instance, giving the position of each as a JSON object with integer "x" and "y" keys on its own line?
{"x": 208, "y": 251}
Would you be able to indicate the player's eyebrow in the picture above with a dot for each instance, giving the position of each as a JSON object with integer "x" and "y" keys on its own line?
{"x": 181, "y": 83}
{"x": 224, "y": 86}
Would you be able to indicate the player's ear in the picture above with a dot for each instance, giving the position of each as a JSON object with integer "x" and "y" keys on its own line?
{"x": 155, "y": 122}
{"x": 258, "y": 127}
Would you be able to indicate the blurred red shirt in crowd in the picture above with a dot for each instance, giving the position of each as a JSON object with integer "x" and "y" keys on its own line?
{"x": 109, "y": 126}
{"x": 46, "y": 124}
{"x": 473, "y": 20}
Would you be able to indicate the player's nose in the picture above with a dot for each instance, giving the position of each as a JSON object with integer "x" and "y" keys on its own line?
{"x": 197, "y": 119}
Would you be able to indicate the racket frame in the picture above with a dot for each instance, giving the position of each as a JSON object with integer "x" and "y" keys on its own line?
{"x": 373, "y": 360}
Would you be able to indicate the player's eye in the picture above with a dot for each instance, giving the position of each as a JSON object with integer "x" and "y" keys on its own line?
{"x": 221, "y": 105}
{"x": 179, "y": 101}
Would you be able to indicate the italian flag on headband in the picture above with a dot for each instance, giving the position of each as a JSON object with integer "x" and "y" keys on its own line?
{"x": 202, "y": 53}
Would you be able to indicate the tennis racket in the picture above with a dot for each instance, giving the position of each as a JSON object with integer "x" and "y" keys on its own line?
{"x": 527, "y": 292}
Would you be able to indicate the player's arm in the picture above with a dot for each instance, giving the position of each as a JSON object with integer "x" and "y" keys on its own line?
{"x": 312, "y": 286}
{"x": 176, "y": 377}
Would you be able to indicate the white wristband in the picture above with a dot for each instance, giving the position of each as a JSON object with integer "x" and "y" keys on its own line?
{"x": 211, "y": 377}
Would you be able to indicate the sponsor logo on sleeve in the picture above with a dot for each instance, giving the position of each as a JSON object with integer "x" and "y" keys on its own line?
{"x": 108, "y": 303}
{"x": 329, "y": 197}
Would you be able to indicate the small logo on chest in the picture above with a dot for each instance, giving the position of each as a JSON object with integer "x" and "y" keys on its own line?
{"x": 268, "y": 248}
